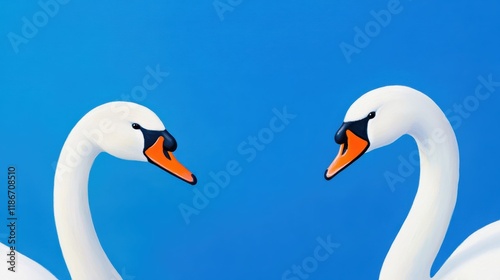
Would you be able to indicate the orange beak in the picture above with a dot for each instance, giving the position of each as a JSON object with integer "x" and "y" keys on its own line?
{"x": 350, "y": 151}
{"x": 166, "y": 161}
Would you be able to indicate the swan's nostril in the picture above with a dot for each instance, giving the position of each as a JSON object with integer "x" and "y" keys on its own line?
{"x": 344, "y": 147}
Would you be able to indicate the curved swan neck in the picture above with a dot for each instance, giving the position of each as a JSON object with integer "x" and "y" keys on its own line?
{"x": 413, "y": 251}
{"x": 82, "y": 251}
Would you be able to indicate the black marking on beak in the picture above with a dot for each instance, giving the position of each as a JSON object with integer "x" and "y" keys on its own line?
{"x": 151, "y": 136}
{"x": 359, "y": 127}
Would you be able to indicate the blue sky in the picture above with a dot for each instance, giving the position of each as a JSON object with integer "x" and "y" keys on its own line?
{"x": 231, "y": 66}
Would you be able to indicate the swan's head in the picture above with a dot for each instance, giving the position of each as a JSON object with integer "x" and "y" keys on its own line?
{"x": 376, "y": 119}
{"x": 130, "y": 131}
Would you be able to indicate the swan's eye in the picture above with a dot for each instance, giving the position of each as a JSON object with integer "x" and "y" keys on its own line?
{"x": 371, "y": 115}
{"x": 136, "y": 126}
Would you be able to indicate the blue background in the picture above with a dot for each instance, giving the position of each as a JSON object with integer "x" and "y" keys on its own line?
{"x": 226, "y": 74}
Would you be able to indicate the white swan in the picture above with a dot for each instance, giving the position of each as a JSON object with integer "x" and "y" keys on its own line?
{"x": 125, "y": 130}
{"x": 380, "y": 117}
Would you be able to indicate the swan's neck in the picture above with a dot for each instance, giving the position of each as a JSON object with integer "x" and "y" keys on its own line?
{"x": 81, "y": 249}
{"x": 413, "y": 251}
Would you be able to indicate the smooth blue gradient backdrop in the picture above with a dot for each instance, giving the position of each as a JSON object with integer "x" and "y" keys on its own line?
{"x": 225, "y": 78}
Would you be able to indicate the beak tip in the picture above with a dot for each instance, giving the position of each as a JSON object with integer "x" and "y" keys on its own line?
{"x": 328, "y": 178}
{"x": 194, "y": 181}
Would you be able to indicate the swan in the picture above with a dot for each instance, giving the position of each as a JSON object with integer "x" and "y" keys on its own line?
{"x": 380, "y": 117}
{"x": 125, "y": 130}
